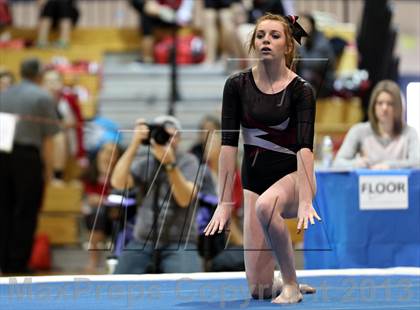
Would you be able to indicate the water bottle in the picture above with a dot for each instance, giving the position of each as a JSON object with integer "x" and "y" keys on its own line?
{"x": 111, "y": 263}
{"x": 327, "y": 152}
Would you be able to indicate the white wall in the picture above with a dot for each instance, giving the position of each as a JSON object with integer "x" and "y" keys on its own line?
{"x": 413, "y": 106}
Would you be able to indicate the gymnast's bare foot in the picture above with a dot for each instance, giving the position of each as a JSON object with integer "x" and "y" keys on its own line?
{"x": 290, "y": 294}
{"x": 307, "y": 289}
{"x": 304, "y": 288}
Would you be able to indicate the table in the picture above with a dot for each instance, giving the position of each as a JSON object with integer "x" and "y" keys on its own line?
{"x": 349, "y": 237}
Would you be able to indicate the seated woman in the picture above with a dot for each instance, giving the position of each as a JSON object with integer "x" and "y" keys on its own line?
{"x": 385, "y": 142}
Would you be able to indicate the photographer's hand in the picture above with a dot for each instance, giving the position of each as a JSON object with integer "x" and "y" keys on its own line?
{"x": 141, "y": 132}
{"x": 183, "y": 190}
{"x": 163, "y": 153}
{"x": 121, "y": 177}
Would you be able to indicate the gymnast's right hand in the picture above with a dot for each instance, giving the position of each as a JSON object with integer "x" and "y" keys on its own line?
{"x": 220, "y": 219}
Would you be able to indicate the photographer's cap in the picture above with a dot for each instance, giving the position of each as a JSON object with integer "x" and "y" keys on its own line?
{"x": 168, "y": 120}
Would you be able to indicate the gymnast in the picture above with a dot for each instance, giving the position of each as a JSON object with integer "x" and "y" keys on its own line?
{"x": 276, "y": 110}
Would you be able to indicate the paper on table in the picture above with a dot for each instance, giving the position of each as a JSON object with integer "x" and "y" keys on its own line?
{"x": 7, "y": 131}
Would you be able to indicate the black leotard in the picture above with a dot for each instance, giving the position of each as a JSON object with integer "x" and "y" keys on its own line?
{"x": 274, "y": 127}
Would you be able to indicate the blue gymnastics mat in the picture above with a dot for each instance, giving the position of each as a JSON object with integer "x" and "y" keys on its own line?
{"x": 394, "y": 288}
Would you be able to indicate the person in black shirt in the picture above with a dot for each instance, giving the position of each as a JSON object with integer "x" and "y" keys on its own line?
{"x": 260, "y": 7}
{"x": 26, "y": 169}
{"x": 61, "y": 14}
{"x": 160, "y": 14}
{"x": 320, "y": 73}
{"x": 276, "y": 110}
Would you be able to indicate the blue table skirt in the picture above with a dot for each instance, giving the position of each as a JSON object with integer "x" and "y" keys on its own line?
{"x": 350, "y": 238}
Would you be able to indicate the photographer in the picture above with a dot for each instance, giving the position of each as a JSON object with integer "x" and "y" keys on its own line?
{"x": 163, "y": 238}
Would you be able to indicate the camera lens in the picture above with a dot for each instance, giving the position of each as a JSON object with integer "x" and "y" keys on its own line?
{"x": 160, "y": 135}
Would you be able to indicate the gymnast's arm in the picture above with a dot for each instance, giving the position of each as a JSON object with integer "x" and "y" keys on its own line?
{"x": 221, "y": 216}
{"x": 305, "y": 171}
{"x": 305, "y": 114}
{"x": 231, "y": 114}
{"x": 227, "y": 168}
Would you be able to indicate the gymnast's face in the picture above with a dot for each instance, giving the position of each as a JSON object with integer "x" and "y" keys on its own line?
{"x": 384, "y": 108}
{"x": 270, "y": 40}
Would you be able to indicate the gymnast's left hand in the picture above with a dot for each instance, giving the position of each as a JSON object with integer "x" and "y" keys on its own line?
{"x": 220, "y": 219}
{"x": 306, "y": 213}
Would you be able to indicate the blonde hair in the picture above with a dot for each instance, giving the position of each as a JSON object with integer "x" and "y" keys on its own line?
{"x": 392, "y": 89}
{"x": 290, "y": 55}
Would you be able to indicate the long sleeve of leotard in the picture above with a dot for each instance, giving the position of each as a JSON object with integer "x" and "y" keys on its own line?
{"x": 305, "y": 114}
{"x": 231, "y": 114}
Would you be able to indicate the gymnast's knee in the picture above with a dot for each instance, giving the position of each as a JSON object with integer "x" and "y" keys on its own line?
{"x": 266, "y": 208}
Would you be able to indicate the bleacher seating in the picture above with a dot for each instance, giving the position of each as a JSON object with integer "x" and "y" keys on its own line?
{"x": 61, "y": 213}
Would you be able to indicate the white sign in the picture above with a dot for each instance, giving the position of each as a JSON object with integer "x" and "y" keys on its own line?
{"x": 383, "y": 192}
{"x": 7, "y": 131}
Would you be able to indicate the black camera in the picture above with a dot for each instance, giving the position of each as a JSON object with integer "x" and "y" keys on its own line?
{"x": 158, "y": 133}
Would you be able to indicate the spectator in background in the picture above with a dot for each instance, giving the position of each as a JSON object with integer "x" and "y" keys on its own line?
{"x": 320, "y": 73}
{"x": 99, "y": 131}
{"x": 385, "y": 141}
{"x": 167, "y": 182}
{"x": 25, "y": 170}
{"x": 56, "y": 13}
{"x": 5, "y": 20}
{"x": 7, "y": 79}
{"x": 208, "y": 125}
{"x": 261, "y": 7}
{"x": 97, "y": 187}
{"x": 220, "y": 10}
{"x": 160, "y": 14}
{"x": 69, "y": 142}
